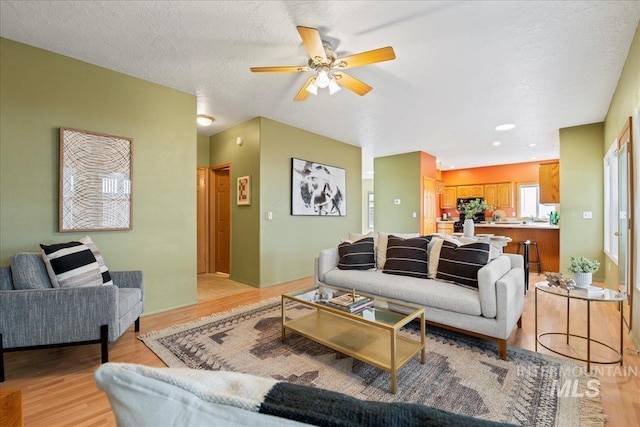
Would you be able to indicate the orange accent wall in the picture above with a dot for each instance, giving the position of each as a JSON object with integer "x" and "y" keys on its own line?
{"x": 516, "y": 172}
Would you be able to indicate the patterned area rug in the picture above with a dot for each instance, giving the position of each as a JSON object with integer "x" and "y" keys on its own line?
{"x": 462, "y": 374}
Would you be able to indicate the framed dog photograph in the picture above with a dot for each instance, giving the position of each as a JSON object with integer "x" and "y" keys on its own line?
{"x": 317, "y": 189}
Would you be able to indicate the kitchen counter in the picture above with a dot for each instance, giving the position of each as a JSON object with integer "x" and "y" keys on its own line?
{"x": 542, "y": 225}
{"x": 546, "y": 236}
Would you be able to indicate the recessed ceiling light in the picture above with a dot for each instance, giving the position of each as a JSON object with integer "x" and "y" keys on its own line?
{"x": 533, "y": 144}
{"x": 496, "y": 143}
{"x": 452, "y": 167}
{"x": 204, "y": 120}
{"x": 506, "y": 126}
{"x": 533, "y": 158}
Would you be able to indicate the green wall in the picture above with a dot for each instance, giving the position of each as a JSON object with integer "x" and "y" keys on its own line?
{"x": 625, "y": 103}
{"x": 245, "y": 220}
{"x": 397, "y": 177}
{"x": 289, "y": 244}
{"x": 42, "y": 91}
{"x": 581, "y": 189}
{"x": 203, "y": 151}
{"x": 267, "y": 252}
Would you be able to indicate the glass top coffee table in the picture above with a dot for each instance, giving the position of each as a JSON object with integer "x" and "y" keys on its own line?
{"x": 370, "y": 335}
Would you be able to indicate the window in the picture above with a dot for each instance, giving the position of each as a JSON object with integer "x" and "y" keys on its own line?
{"x": 529, "y": 202}
{"x": 611, "y": 202}
{"x": 370, "y": 210}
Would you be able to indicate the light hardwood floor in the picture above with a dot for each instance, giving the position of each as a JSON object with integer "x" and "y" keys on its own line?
{"x": 58, "y": 387}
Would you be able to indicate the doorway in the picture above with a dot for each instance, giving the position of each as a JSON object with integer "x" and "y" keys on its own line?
{"x": 625, "y": 213}
{"x": 202, "y": 221}
{"x": 428, "y": 205}
{"x": 220, "y": 219}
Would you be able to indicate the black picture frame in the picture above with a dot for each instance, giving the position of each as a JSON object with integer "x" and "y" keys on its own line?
{"x": 317, "y": 189}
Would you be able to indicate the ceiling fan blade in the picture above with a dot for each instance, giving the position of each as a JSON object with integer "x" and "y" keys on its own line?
{"x": 365, "y": 58}
{"x": 292, "y": 69}
{"x": 313, "y": 43}
{"x": 303, "y": 93}
{"x": 351, "y": 83}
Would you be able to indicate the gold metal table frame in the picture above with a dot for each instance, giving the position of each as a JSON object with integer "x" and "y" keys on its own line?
{"x": 609, "y": 295}
{"x": 370, "y": 336}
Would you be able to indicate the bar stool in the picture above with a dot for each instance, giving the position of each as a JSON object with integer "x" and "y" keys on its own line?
{"x": 536, "y": 261}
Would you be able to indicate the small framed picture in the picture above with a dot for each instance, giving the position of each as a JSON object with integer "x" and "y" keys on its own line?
{"x": 244, "y": 190}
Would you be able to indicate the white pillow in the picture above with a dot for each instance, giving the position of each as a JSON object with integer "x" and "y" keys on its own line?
{"x": 381, "y": 246}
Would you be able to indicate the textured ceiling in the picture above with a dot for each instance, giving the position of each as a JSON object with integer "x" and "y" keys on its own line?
{"x": 461, "y": 68}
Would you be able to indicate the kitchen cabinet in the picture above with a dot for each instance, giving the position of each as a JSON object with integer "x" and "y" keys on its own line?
{"x": 444, "y": 227}
{"x": 499, "y": 195}
{"x": 476, "y": 190}
{"x": 448, "y": 198}
{"x": 491, "y": 194}
{"x": 549, "y": 182}
{"x": 462, "y": 191}
{"x": 505, "y": 195}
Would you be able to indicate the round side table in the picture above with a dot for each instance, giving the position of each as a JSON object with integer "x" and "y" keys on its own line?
{"x": 608, "y": 295}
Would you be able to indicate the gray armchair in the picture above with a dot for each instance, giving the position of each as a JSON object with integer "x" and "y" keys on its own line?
{"x": 42, "y": 316}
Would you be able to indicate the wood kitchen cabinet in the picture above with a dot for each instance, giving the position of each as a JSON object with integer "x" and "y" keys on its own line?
{"x": 499, "y": 195}
{"x": 444, "y": 227}
{"x": 549, "y": 182}
{"x": 491, "y": 194}
{"x": 464, "y": 191}
{"x": 448, "y": 198}
{"x": 505, "y": 195}
{"x": 476, "y": 190}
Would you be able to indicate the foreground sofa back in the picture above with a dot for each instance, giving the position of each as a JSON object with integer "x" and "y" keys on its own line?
{"x": 44, "y": 316}
{"x": 492, "y": 311}
{"x": 144, "y": 396}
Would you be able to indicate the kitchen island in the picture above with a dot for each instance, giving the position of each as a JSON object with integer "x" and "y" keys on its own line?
{"x": 547, "y": 236}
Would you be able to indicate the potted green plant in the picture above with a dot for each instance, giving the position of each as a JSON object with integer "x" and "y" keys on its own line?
{"x": 471, "y": 209}
{"x": 583, "y": 269}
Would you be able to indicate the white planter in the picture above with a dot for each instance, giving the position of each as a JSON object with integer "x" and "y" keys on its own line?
{"x": 468, "y": 228}
{"x": 583, "y": 279}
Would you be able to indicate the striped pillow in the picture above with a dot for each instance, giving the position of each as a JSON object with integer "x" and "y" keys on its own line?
{"x": 106, "y": 276}
{"x": 460, "y": 264}
{"x": 71, "y": 265}
{"x": 407, "y": 257}
{"x": 358, "y": 255}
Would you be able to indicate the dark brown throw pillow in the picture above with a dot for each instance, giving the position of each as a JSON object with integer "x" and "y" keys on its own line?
{"x": 460, "y": 264}
{"x": 407, "y": 257}
{"x": 358, "y": 255}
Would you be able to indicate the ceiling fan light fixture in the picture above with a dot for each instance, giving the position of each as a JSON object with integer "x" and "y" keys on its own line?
{"x": 204, "y": 120}
{"x": 323, "y": 78}
{"x": 313, "y": 87}
{"x": 333, "y": 86}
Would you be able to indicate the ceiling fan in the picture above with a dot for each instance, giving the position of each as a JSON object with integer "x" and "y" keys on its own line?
{"x": 328, "y": 68}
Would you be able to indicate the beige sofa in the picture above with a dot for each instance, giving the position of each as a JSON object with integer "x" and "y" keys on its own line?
{"x": 492, "y": 311}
